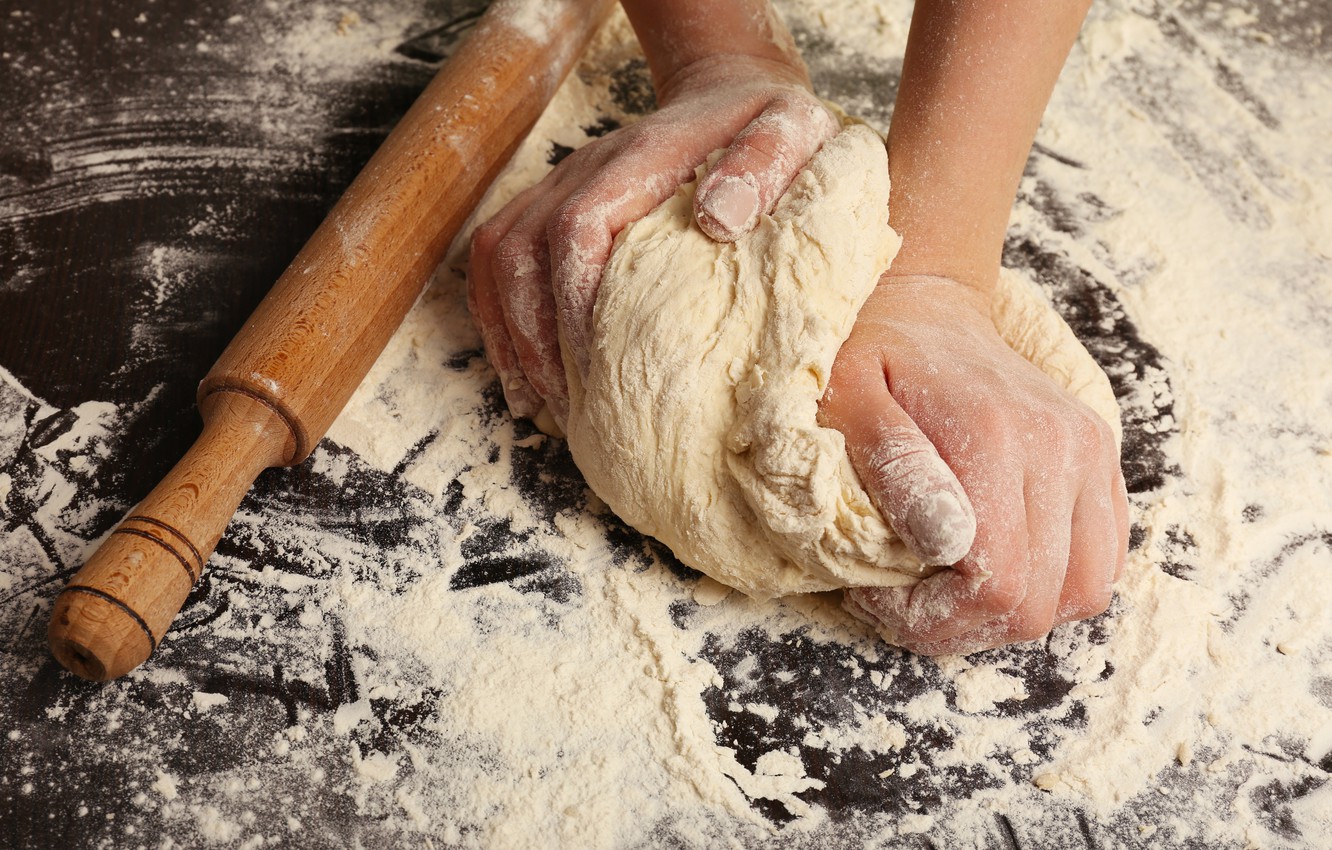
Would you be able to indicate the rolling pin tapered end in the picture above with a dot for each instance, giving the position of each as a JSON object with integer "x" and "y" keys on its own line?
{"x": 109, "y": 618}
{"x": 115, "y": 610}
{"x": 95, "y": 637}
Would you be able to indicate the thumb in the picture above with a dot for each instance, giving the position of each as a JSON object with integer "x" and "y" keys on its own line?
{"x": 904, "y": 475}
{"x": 762, "y": 161}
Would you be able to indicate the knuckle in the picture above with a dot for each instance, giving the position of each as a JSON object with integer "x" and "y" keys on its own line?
{"x": 991, "y": 424}
{"x": 998, "y": 597}
{"x": 566, "y": 222}
{"x": 1057, "y": 430}
{"x": 1080, "y": 437}
{"x": 766, "y": 142}
{"x": 578, "y": 164}
{"x": 516, "y": 256}
{"x": 575, "y": 161}
{"x": 584, "y": 220}
{"x": 808, "y": 109}
{"x": 639, "y": 146}
{"x": 797, "y": 100}
{"x": 485, "y": 239}
{"x": 789, "y": 130}
{"x": 1091, "y": 434}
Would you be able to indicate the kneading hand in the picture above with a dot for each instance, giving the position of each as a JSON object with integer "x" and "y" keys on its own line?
{"x": 978, "y": 460}
{"x": 542, "y": 256}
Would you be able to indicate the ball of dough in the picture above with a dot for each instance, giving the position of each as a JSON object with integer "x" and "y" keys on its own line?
{"x": 697, "y": 420}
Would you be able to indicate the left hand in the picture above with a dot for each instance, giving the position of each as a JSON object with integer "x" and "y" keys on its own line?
{"x": 941, "y": 419}
{"x": 536, "y": 265}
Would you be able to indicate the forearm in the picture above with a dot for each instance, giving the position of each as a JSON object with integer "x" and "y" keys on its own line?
{"x": 677, "y": 33}
{"x": 975, "y": 82}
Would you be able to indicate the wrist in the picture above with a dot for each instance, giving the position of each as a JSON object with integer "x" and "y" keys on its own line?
{"x": 959, "y": 264}
{"x": 728, "y": 72}
{"x": 942, "y": 288}
{"x": 679, "y": 34}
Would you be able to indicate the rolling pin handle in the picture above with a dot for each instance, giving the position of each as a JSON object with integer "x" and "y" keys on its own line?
{"x": 112, "y": 614}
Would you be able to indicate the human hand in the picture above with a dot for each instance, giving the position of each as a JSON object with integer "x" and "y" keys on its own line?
{"x": 541, "y": 257}
{"x": 953, "y": 434}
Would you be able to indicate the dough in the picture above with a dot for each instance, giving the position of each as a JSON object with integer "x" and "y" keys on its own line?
{"x": 697, "y": 421}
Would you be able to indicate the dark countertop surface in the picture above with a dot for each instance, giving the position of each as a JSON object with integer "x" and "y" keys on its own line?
{"x": 161, "y": 161}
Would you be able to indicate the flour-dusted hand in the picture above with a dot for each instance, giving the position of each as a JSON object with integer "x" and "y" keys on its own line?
{"x": 1031, "y": 502}
{"x": 925, "y": 370}
{"x": 727, "y": 76}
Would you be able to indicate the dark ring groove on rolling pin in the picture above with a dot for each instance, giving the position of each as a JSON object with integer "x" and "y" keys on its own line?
{"x": 198, "y": 559}
{"x": 298, "y": 434}
{"x": 184, "y": 564}
{"x": 102, "y": 594}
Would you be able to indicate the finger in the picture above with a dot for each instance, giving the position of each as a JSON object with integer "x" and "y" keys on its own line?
{"x": 758, "y": 166}
{"x": 979, "y": 640}
{"x": 521, "y": 268}
{"x": 1093, "y": 555}
{"x": 1022, "y": 626}
{"x": 1091, "y": 562}
{"x": 1121, "y": 519}
{"x": 1042, "y": 577}
{"x": 583, "y": 229}
{"x": 484, "y": 303}
{"x": 991, "y": 582}
{"x": 1019, "y": 627}
{"x": 899, "y": 467}
{"x": 1050, "y": 514}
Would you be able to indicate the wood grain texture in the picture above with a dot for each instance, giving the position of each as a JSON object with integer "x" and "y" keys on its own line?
{"x": 116, "y": 609}
{"x": 312, "y": 340}
{"x": 288, "y": 373}
{"x": 150, "y": 195}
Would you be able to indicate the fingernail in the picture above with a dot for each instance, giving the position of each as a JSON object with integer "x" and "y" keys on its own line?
{"x": 942, "y": 527}
{"x": 550, "y": 423}
{"x": 520, "y": 396}
{"x": 732, "y": 205}
{"x": 559, "y": 411}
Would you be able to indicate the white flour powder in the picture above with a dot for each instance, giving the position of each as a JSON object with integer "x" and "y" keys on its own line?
{"x": 594, "y": 703}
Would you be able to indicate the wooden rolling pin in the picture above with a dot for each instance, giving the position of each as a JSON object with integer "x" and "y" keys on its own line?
{"x": 291, "y": 369}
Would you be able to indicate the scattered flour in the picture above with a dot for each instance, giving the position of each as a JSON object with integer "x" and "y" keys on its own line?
{"x": 496, "y": 658}
{"x": 205, "y": 702}
{"x": 166, "y": 785}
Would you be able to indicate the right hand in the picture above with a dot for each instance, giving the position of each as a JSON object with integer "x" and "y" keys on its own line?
{"x": 537, "y": 265}
{"x": 980, "y": 462}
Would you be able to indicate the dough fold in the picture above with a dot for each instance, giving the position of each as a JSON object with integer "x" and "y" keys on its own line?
{"x": 697, "y": 422}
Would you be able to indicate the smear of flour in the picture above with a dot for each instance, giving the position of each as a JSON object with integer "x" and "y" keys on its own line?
{"x": 464, "y": 650}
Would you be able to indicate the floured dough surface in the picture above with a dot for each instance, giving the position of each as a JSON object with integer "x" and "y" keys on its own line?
{"x": 697, "y": 422}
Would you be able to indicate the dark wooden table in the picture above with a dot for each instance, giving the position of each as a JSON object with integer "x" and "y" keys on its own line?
{"x": 160, "y": 163}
